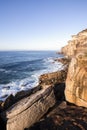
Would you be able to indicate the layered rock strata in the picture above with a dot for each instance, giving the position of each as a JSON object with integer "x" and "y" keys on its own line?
{"x": 29, "y": 110}
{"x": 76, "y": 82}
{"x": 77, "y": 43}
{"x": 10, "y": 100}
{"x": 53, "y": 78}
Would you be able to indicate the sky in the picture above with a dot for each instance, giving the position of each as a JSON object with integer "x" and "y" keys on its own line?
{"x": 40, "y": 24}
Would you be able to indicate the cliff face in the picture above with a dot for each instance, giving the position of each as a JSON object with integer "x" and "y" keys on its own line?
{"x": 77, "y": 44}
{"x": 76, "y": 82}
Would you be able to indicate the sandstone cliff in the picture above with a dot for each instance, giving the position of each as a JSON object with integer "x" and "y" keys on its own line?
{"x": 76, "y": 82}
{"x": 76, "y": 44}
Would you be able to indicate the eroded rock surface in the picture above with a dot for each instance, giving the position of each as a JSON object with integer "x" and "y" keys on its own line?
{"x": 76, "y": 82}
{"x": 10, "y": 100}
{"x": 53, "y": 78}
{"x": 29, "y": 110}
{"x": 78, "y": 42}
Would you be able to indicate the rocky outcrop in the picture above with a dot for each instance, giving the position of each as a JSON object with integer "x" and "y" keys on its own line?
{"x": 64, "y": 60}
{"x": 29, "y": 110}
{"x": 76, "y": 82}
{"x": 57, "y": 80}
{"x": 78, "y": 42}
{"x": 53, "y": 78}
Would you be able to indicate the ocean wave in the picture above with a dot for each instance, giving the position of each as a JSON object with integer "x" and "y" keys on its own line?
{"x": 14, "y": 87}
{"x": 52, "y": 65}
{"x": 48, "y": 60}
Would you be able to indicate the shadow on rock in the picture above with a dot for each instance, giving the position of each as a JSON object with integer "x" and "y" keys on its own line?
{"x": 69, "y": 118}
{"x": 2, "y": 124}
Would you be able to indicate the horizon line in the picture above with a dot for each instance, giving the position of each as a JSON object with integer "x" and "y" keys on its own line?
{"x": 31, "y": 50}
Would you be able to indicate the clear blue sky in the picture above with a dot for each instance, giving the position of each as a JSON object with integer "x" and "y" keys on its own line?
{"x": 40, "y": 24}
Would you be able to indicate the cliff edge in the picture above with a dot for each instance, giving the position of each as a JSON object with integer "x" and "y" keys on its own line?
{"x": 77, "y": 44}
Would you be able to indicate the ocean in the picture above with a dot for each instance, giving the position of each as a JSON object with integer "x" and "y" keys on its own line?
{"x": 20, "y": 70}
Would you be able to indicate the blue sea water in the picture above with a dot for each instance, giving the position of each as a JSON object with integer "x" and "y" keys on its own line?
{"x": 20, "y": 70}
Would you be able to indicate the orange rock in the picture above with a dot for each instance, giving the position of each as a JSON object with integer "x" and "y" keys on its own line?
{"x": 76, "y": 82}
{"x": 77, "y": 43}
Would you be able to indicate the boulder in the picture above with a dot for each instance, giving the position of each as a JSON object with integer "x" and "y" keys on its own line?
{"x": 29, "y": 110}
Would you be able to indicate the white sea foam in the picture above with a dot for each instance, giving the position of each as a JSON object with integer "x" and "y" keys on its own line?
{"x": 52, "y": 65}
{"x": 2, "y": 70}
{"x": 14, "y": 87}
{"x": 6, "y": 71}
